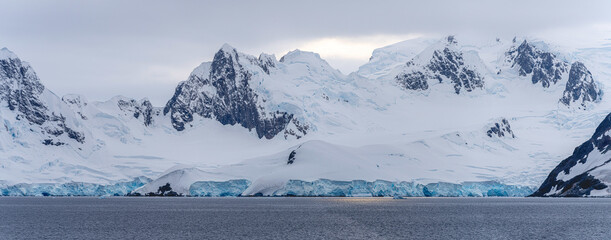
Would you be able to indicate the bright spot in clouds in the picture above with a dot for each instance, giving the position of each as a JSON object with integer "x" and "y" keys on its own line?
{"x": 356, "y": 48}
{"x": 346, "y": 53}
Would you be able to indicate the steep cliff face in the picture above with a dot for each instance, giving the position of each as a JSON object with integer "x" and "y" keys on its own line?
{"x": 543, "y": 67}
{"x": 21, "y": 88}
{"x": 22, "y": 92}
{"x": 585, "y": 173}
{"x": 445, "y": 63}
{"x": 580, "y": 88}
{"x": 223, "y": 90}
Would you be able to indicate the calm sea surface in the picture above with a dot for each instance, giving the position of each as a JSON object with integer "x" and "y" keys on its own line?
{"x": 304, "y": 218}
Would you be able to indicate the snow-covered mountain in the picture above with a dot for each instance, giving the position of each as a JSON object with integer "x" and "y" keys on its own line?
{"x": 585, "y": 173}
{"x": 541, "y": 66}
{"x": 223, "y": 90}
{"x": 424, "y": 117}
{"x": 446, "y": 63}
{"x": 580, "y": 88}
{"x": 28, "y": 102}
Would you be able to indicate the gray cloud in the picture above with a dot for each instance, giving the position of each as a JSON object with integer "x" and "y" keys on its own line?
{"x": 144, "y": 48}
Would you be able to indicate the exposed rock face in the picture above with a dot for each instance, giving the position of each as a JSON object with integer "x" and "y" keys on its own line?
{"x": 296, "y": 129}
{"x": 20, "y": 88}
{"x": 22, "y": 91}
{"x": 143, "y": 109}
{"x": 451, "y": 65}
{"x": 445, "y": 64}
{"x": 501, "y": 129}
{"x": 163, "y": 191}
{"x": 59, "y": 127}
{"x": 587, "y": 170}
{"x": 581, "y": 87}
{"x": 222, "y": 90}
{"x": 267, "y": 62}
{"x": 292, "y": 156}
{"x": 413, "y": 80}
{"x": 544, "y": 66}
{"x": 77, "y": 103}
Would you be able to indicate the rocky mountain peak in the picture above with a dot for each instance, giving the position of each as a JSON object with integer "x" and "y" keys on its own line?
{"x": 22, "y": 91}
{"x": 542, "y": 66}
{"x": 226, "y": 94}
{"x": 5, "y": 53}
{"x": 21, "y": 88}
{"x": 142, "y": 109}
{"x": 580, "y": 88}
{"x": 227, "y": 48}
{"x": 445, "y": 63}
{"x": 267, "y": 62}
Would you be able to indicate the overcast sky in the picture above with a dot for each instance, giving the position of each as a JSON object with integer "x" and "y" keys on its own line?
{"x": 144, "y": 48}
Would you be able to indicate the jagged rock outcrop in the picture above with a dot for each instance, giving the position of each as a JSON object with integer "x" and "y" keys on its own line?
{"x": 22, "y": 92}
{"x": 544, "y": 67}
{"x": 500, "y": 129}
{"x": 585, "y": 173}
{"x": 222, "y": 90}
{"x": 140, "y": 110}
{"x": 413, "y": 80}
{"x": 296, "y": 129}
{"x": 445, "y": 64}
{"x": 580, "y": 87}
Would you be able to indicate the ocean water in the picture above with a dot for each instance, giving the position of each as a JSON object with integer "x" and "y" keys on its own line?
{"x": 303, "y": 218}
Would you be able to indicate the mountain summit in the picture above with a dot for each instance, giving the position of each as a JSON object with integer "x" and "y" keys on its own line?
{"x": 223, "y": 90}
{"x": 32, "y": 104}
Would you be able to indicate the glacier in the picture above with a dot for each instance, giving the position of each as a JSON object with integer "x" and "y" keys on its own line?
{"x": 361, "y": 188}
{"x": 74, "y": 188}
{"x": 381, "y": 188}
{"x": 231, "y": 188}
{"x": 318, "y": 188}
